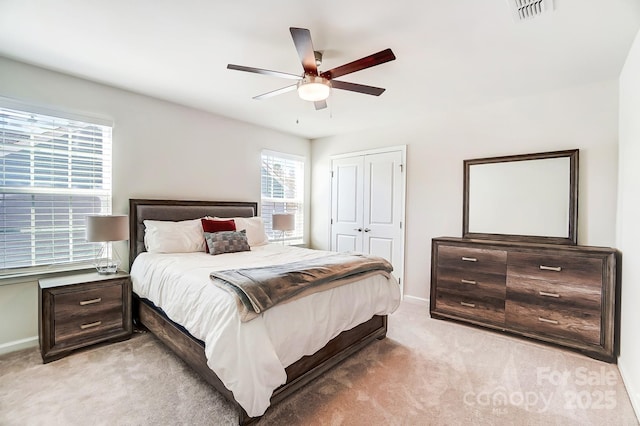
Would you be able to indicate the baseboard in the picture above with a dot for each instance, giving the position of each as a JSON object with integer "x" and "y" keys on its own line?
{"x": 17, "y": 345}
{"x": 416, "y": 300}
{"x": 633, "y": 393}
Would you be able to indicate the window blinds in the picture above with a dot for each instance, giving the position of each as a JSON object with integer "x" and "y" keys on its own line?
{"x": 283, "y": 192}
{"x": 53, "y": 172}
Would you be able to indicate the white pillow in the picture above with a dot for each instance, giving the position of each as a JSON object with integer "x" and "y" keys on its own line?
{"x": 173, "y": 237}
{"x": 256, "y": 234}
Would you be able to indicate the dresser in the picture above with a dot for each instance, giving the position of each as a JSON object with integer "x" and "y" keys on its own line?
{"x": 82, "y": 309}
{"x": 565, "y": 295}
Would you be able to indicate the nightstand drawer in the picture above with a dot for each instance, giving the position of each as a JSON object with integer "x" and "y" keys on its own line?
{"x": 83, "y": 303}
{"x": 85, "y": 314}
{"x": 89, "y": 326}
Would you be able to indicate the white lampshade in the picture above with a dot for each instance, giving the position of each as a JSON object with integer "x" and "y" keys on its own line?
{"x": 107, "y": 228}
{"x": 283, "y": 222}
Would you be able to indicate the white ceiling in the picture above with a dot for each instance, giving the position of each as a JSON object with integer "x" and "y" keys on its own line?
{"x": 450, "y": 53}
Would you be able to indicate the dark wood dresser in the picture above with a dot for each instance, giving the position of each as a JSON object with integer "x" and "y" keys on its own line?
{"x": 560, "y": 294}
{"x": 83, "y": 309}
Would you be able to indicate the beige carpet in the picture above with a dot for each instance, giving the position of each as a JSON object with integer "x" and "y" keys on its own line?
{"x": 427, "y": 372}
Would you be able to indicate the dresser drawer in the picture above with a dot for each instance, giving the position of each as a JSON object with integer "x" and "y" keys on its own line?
{"x": 472, "y": 282}
{"x": 571, "y": 311}
{"x": 471, "y": 306}
{"x": 473, "y": 259}
{"x": 559, "y": 296}
{"x": 580, "y": 270}
{"x": 565, "y": 324}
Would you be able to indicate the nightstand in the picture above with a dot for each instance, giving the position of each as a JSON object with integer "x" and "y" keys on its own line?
{"x": 83, "y": 309}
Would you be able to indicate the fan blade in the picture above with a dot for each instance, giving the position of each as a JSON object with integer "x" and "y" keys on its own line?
{"x": 265, "y": 72}
{"x": 276, "y": 92}
{"x": 360, "y": 88}
{"x": 320, "y": 104}
{"x": 362, "y": 63}
{"x": 304, "y": 46}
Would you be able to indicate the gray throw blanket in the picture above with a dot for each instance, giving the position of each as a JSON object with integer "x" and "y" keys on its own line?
{"x": 258, "y": 289}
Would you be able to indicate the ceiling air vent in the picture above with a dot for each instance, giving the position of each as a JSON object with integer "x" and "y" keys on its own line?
{"x": 526, "y": 9}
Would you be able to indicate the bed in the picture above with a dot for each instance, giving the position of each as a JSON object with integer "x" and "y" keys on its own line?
{"x": 188, "y": 340}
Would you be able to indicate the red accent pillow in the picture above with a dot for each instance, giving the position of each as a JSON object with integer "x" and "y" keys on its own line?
{"x": 214, "y": 225}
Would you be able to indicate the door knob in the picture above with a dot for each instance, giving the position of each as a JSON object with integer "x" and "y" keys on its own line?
{"x": 357, "y": 229}
{"x": 367, "y": 229}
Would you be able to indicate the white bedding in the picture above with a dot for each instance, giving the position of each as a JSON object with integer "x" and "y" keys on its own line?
{"x": 250, "y": 357}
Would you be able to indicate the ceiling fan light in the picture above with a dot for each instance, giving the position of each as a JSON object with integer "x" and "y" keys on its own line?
{"x": 314, "y": 88}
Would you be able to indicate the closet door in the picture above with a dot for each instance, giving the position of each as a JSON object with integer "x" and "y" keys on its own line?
{"x": 347, "y": 204}
{"x": 382, "y": 209}
{"x": 367, "y": 206}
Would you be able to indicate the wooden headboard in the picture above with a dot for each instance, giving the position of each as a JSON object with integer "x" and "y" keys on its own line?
{"x": 141, "y": 210}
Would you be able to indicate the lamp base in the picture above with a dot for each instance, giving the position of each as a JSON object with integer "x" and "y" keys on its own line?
{"x": 107, "y": 261}
{"x": 107, "y": 269}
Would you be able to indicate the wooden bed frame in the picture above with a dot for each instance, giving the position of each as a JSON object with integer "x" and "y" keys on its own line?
{"x": 190, "y": 349}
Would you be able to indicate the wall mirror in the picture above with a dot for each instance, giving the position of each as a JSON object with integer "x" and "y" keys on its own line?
{"x": 530, "y": 198}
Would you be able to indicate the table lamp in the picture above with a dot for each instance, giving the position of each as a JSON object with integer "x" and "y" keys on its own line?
{"x": 106, "y": 229}
{"x": 283, "y": 222}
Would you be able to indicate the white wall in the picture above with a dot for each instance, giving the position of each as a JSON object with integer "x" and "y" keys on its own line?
{"x": 628, "y": 236}
{"x": 583, "y": 117}
{"x": 160, "y": 150}
{"x": 18, "y": 316}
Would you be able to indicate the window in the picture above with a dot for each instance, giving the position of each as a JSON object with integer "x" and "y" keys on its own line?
{"x": 282, "y": 180}
{"x": 53, "y": 172}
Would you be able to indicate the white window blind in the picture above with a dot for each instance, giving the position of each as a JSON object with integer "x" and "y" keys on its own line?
{"x": 283, "y": 192}
{"x": 53, "y": 172}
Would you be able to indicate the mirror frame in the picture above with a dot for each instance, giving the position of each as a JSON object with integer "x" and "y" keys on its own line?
{"x": 572, "y": 235}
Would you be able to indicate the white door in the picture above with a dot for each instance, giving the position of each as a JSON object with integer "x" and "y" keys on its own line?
{"x": 382, "y": 232}
{"x": 346, "y": 204}
{"x": 367, "y": 206}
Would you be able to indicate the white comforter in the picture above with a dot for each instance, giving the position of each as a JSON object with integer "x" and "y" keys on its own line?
{"x": 250, "y": 357}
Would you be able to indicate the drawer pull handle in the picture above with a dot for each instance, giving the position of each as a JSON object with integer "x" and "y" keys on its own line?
{"x": 544, "y": 293}
{"x": 90, "y": 302}
{"x": 551, "y": 268}
{"x": 547, "y": 320}
{"x": 468, "y": 305}
{"x": 469, "y": 259}
{"x": 90, "y": 325}
{"x": 468, "y": 282}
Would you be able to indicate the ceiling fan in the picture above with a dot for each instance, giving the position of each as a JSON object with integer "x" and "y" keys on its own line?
{"x": 314, "y": 85}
